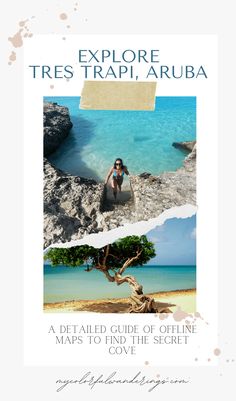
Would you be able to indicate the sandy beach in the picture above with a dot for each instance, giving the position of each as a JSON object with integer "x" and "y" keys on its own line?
{"x": 184, "y": 299}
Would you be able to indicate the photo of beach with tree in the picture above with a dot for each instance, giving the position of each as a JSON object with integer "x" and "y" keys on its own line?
{"x": 106, "y": 168}
{"x": 152, "y": 273}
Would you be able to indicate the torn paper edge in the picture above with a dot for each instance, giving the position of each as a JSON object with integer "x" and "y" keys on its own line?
{"x": 103, "y": 238}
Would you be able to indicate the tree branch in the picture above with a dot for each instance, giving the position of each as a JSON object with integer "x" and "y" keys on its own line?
{"x": 99, "y": 264}
{"x": 131, "y": 280}
{"x": 106, "y": 255}
{"x": 116, "y": 257}
{"x": 108, "y": 276}
{"x": 129, "y": 262}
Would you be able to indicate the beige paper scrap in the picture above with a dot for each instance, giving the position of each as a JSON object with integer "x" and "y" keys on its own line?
{"x": 111, "y": 95}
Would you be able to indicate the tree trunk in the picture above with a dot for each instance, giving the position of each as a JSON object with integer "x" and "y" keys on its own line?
{"x": 140, "y": 303}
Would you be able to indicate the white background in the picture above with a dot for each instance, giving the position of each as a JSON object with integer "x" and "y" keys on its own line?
{"x": 123, "y": 17}
{"x": 37, "y": 323}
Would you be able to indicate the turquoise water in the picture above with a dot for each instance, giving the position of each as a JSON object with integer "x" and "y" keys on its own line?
{"x": 143, "y": 139}
{"x": 64, "y": 283}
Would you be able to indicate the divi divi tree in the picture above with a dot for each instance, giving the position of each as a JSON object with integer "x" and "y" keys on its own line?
{"x": 113, "y": 260}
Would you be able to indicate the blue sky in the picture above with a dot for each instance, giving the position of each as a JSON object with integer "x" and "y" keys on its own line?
{"x": 175, "y": 242}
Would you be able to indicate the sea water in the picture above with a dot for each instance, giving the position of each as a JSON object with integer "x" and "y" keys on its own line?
{"x": 143, "y": 139}
{"x": 63, "y": 283}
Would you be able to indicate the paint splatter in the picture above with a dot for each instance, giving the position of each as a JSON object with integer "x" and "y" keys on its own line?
{"x": 16, "y": 40}
{"x": 22, "y": 23}
{"x": 217, "y": 351}
{"x": 179, "y": 315}
{"x": 163, "y": 316}
{"x": 198, "y": 315}
{"x": 63, "y": 16}
{"x": 12, "y": 56}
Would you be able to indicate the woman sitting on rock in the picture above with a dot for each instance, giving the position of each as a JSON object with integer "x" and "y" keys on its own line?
{"x": 117, "y": 171}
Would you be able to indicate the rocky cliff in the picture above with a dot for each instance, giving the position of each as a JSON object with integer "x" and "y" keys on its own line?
{"x": 188, "y": 146}
{"x": 154, "y": 194}
{"x": 71, "y": 206}
{"x": 56, "y": 126}
{"x": 75, "y": 206}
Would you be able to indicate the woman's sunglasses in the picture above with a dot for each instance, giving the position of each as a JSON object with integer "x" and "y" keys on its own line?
{"x": 118, "y": 164}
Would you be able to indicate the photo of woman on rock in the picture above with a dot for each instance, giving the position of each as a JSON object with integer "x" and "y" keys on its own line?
{"x": 117, "y": 171}
{"x": 155, "y": 170}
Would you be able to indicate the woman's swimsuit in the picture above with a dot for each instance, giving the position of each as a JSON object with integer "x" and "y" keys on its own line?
{"x": 118, "y": 176}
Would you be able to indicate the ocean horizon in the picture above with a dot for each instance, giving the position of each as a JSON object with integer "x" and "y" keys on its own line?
{"x": 143, "y": 139}
{"x": 63, "y": 283}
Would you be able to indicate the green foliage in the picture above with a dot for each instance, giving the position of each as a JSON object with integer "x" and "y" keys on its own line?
{"x": 128, "y": 247}
{"x": 74, "y": 256}
{"x": 119, "y": 252}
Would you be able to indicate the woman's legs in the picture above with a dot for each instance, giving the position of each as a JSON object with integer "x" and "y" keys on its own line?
{"x": 116, "y": 183}
{"x": 114, "y": 187}
{"x": 119, "y": 182}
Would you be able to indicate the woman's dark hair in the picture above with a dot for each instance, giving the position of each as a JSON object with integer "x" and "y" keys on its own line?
{"x": 119, "y": 160}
